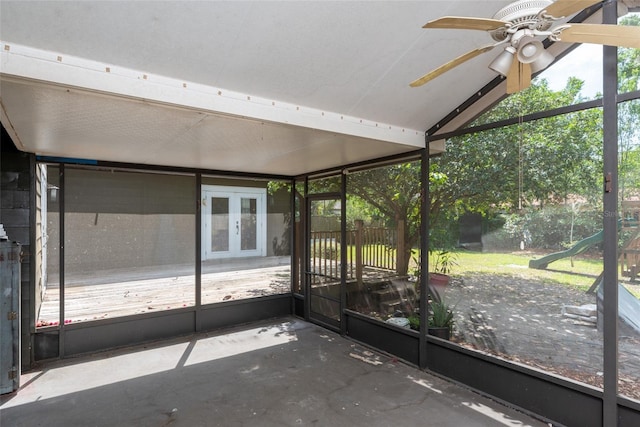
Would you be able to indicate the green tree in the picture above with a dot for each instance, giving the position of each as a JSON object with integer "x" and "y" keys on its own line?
{"x": 503, "y": 169}
{"x": 629, "y": 118}
{"x": 391, "y": 194}
{"x": 558, "y": 157}
{"x": 514, "y": 166}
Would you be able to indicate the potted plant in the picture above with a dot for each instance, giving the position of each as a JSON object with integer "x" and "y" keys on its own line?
{"x": 440, "y": 319}
{"x": 439, "y": 278}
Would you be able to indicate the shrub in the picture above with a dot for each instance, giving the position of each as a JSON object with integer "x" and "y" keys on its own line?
{"x": 548, "y": 228}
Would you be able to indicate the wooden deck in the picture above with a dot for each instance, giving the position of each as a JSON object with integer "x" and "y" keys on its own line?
{"x": 116, "y": 293}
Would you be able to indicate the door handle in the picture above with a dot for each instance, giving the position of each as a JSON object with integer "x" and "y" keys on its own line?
{"x": 237, "y": 228}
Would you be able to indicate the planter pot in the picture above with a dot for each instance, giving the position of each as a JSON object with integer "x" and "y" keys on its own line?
{"x": 438, "y": 279}
{"x": 443, "y": 332}
{"x": 438, "y": 283}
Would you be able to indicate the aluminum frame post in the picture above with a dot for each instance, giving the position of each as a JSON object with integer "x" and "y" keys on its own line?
{"x": 610, "y": 223}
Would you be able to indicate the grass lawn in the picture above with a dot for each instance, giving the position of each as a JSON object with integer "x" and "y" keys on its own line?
{"x": 580, "y": 275}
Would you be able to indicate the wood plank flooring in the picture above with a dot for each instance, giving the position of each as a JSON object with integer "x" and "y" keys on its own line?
{"x": 123, "y": 294}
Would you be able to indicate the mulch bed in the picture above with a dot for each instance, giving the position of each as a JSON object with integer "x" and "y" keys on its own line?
{"x": 521, "y": 320}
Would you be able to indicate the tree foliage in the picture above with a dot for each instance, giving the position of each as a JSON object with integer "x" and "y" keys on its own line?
{"x": 629, "y": 118}
{"x": 392, "y": 194}
{"x": 532, "y": 164}
{"x": 537, "y": 162}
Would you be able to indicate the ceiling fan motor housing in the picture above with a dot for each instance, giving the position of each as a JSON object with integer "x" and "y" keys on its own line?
{"x": 521, "y": 14}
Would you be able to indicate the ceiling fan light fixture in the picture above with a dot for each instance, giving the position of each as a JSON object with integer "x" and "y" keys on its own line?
{"x": 529, "y": 49}
{"x": 521, "y": 26}
{"x": 502, "y": 63}
{"x": 543, "y": 61}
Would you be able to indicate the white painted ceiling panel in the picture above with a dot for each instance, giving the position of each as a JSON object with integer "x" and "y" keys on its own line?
{"x": 345, "y": 57}
{"x": 72, "y": 123}
{"x": 280, "y": 87}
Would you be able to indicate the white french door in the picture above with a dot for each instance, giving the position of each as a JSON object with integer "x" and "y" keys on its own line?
{"x": 233, "y": 222}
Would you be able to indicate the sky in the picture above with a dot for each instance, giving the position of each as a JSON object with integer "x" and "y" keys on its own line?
{"x": 585, "y": 63}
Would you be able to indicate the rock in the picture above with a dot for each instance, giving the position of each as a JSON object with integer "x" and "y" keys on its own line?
{"x": 585, "y": 313}
{"x": 587, "y": 310}
{"x": 399, "y": 321}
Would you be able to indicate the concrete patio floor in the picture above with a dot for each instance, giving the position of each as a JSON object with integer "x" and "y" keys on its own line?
{"x": 286, "y": 372}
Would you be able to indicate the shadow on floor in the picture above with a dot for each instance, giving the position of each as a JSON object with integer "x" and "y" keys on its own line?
{"x": 281, "y": 373}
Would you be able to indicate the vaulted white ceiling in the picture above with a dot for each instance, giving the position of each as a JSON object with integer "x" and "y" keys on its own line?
{"x": 284, "y": 87}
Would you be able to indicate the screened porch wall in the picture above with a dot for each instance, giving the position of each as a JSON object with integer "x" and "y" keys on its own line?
{"x": 130, "y": 246}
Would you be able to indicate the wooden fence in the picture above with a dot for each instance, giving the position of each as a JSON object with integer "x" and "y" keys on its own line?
{"x": 630, "y": 253}
{"x": 374, "y": 247}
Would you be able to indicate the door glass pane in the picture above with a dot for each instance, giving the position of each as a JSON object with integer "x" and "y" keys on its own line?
{"x": 323, "y": 263}
{"x": 330, "y": 184}
{"x": 248, "y": 218}
{"x": 299, "y": 223}
{"x": 219, "y": 224}
{"x": 383, "y": 244}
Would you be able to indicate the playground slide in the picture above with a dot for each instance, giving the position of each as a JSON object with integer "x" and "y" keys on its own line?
{"x": 628, "y": 306}
{"x": 578, "y": 248}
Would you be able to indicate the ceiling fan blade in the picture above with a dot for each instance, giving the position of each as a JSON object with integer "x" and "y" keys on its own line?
{"x": 465, "y": 23}
{"x": 449, "y": 65}
{"x": 568, "y": 7}
{"x": 610, "y": 35}
{"x": 519, "y": 77}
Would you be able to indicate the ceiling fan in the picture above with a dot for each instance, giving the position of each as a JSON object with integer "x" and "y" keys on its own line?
{"x": 520, "y": 27}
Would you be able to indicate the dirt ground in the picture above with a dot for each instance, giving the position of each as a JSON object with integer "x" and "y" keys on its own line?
{"x": 522, "y": 320}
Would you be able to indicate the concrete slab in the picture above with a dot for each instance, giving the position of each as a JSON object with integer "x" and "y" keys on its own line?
{"x": 286, "y": 372}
